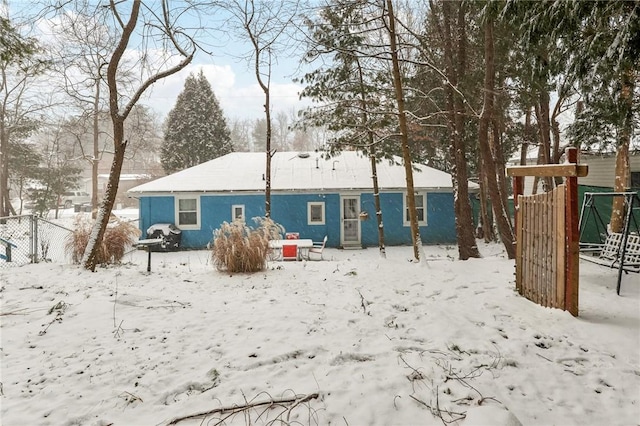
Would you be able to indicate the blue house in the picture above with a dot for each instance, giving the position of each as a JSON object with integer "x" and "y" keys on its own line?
{"x": 309, "y": 195}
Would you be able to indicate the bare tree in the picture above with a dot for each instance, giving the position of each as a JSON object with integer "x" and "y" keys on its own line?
{"x": 452, "y": 30}
{"x": 179, "y": 48}
{"x": 402, "y": 124}
{"x": 84, "y": 43}
{"x": 283, "y": 129}
{"x": 264, "y": 26}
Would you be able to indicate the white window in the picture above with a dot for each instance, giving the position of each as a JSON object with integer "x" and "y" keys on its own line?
{"x": 315, "y": 213}
{"x": 237, "y": 212}
{"x": 421, "y": 209}
{"x": 188, "y": 212}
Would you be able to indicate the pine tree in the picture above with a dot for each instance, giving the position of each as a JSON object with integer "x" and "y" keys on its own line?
{"x": 20, "y": 62}
{"x": 195, "y": 130}
{"x": 24, "y": 161}
{"x": 350, "y": 90}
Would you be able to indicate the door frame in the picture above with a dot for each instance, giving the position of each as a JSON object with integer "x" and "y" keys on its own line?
{"x": 343, "y": 243}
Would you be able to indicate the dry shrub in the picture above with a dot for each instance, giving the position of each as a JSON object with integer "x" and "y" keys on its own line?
{"x": 118, "y": 236}
{"x": 240, "y": 248}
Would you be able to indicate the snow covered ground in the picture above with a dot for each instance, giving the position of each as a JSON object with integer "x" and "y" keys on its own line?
{"x": 367, "y": 341}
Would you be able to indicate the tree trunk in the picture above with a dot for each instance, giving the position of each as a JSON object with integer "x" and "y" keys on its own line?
{"x": 486, "y": 220}
{"x": 524, "y": 149}
{"x": 4, "y": 167}
{"x": 544, "y": 126}
{"x": 267, "y": 190}
{"x": 623, "y": 175}
{"x": 94, "y": 160}
{"x": 266, "y": 89}
{"x": 404, "y": 139}
{"x": 496, "y": 146}
{"x": 90, "y": 259}
{"x": 376, "y": 199}
{"x": 467, "y": 247}
{"x": 499, "y": 212}
{"x": 372, "y": 156}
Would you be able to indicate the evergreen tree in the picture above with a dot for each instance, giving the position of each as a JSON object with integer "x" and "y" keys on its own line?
{"x": 54, "y": 179}
{"x": 195, "y": 130}
{"x": 20, "y": 62}
{"x": 24, "y": 161}
{"x": 352, "y": 91}
{"x": 599, "y": 46}
{"x": 349, "y": 89}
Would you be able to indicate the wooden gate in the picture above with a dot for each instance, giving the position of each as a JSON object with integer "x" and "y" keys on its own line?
{"x": 546, "y": 230}
{"x": 540, "y": 249}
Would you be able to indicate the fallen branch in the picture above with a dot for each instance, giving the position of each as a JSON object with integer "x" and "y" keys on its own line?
{"x": 543, "y": 357}
{"x": 296, "y": 400}
{"x": 129, "y": 397}
{"x": 118, "y": 331}
{"x": 415, "y": 375}
{"x": 364, "y": 303}
{"x": 15, "y": 312}
{"x": 436, "y": 411}
{"x": 32, "y": 287}
{"x": 59, "y": 308}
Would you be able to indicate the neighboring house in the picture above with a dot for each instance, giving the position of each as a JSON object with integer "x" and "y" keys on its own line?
{"x": 127, "y": 181}
{"x": 309, "y": 195}
{"x": 602, "y": 168}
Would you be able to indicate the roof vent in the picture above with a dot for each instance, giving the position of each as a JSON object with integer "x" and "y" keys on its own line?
{"x": 303, "y": 154}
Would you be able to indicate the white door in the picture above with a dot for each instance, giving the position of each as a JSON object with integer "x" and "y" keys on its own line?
{"x": 350, "y": 218}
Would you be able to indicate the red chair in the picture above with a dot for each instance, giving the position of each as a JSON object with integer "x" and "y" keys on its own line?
{"x": 289, "y": 252}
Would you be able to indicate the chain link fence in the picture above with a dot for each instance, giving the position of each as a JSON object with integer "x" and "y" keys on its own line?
{"x": 30, "y": 239}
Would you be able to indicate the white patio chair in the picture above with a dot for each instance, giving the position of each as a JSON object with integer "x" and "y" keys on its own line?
{"x": 317, "y": 249}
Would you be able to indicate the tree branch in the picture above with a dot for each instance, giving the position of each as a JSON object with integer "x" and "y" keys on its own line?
{"x": 296, "y": 400}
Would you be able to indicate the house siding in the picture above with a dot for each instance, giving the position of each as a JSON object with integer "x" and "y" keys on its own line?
{"x": 440, "y": 227}
{"x": 602, "y": 170}
{"x": 290, "y": 210}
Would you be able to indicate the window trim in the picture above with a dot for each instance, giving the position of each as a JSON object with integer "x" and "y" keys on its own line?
{"x": 233, "y": 212}
{"x": 195, "y": 226}
{"x": 405, "y": 221}
{"x": 312, "y": 204}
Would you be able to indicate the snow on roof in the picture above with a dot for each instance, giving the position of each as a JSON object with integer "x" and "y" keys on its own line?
{"x": 127, "y": 176}
{"x": 293, "y": 171}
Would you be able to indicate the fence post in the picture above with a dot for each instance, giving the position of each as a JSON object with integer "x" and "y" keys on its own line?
{"x": 572, "y": 238}
{"x": 518, "y": 190}
{"x": 34, "y": 223}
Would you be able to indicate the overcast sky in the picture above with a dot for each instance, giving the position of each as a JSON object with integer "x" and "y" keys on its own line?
{"x": 234, "y": 85}
{"x": 231, "y": 76}
{"x": 232, "y": 79}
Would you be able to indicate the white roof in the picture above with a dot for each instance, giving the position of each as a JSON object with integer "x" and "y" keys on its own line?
{"x": 127, "y": 176}
{"x": 292, "y": 171}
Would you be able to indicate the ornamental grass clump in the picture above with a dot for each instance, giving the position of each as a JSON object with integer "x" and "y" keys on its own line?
{"x": 240, "y": 248}
{"x": 118, "y": 237}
